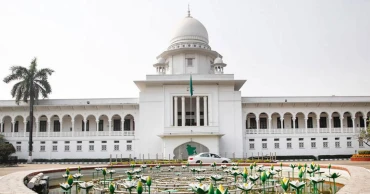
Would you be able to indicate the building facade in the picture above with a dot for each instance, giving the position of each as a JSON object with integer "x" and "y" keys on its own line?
{"x": 166, "y": 121}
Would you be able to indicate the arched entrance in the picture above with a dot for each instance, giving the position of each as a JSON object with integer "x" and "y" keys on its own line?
{"x": 189, "y": 148}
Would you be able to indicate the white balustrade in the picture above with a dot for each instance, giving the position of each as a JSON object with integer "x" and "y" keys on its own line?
{"x": 336, "y": 130}
{"x": 300, "y": 130}
{"x": 128, "y": 133}
{"x": 311, "y": 130}
{"x": 324, "y": 130}
{"x": 116, "y": 133}
{"x": 263, "y": 131}
{"x": 42, "y": 134}
{"x": 103, "y": 133}
{"x": 347, "y": 130}
{"x": 79, "y": 133}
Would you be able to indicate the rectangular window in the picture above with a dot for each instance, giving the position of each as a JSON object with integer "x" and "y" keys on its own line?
{"x": 337, "y": 144}
{"x": 278, "y": 123}
{"x": 117, "y": 125}
{"x": 289, "y": 145}
{"x": 55, "y": 148}
{"x": 104, "y": 147}
{"x": 42, "y": 126}
{"x": 361, "y": 143}
{"x": 301, "y": 145}
{"x": 362, "y": 123}
{"x": 91, "y": 141}
{"x": 251, "y": 146}
{"x": 116, "y": 147}
{"x": 323, "y": 123}
{"x": 337, "y": 138}
{"x": 129, "y": 141}
{"x": 19, "y": 142}
{"x": 66, "y": 142}
{"x": 189, "y": 62}
{"x": 313, "y": 139}
{"x": 91, "y": 147}
{"x": 127, "y": 125}
{"x": 251, "y": 139}
{"x": 66, "y": 148}
{"x": 42, "y": 148}
{"x": 42, "y": 142}
{"x": 79, "y": 147}
{"x": 276, "y": 139}
{"x": 55, "y": 142}
{"x": 349, "y": 138}
{"x": 349, "y": 122}
{"x": 277, "y": 145}
{"x": 16, "y": 126}
{"x": 300, "y": 139}
{"x": 336, "y": 122}
{"x": 79, "y": 141}
{"x": 103, "y": 141}
{"x": 253, "y": 123}
{"x": 101, "y": 125}
{"x": 313, "y": 144}
{"x": 349, "y": 144}
{"x": 309, "y": 122}
{"x": 129, "y": 147}
{"x": 263, "y": 123}
{"x": 19, "y": 148}
{"x": 325, "y": 144}
{"x": 264, "y": 145}
{"x": 289, "y": 139}
{"x": 116, "y": 141}
{"x": 56, "y": 126}
{"x": 325, "y": 138}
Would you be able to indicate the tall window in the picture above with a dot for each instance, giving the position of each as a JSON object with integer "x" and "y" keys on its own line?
{"x": 189, "y": 62}
{"x": 336, "y": 122}
{"x": 253, "y": 123}
{"x": 263, "y": 123}
{"x": 42, "y": 126}
{"x": 323, "y": 122}
{"x": 362, "y": 123}
{"x": 309, "y": 122}
{"x": 295, "y": 122}
{"x": 56, "y": 126}
{"x": 126, "y": 125}
{"x": 117, "y": 125}
{"x": 349, "y": 122}
{"x": 279, "y": 123}
{"x": 28, "y": 126}
{"x": 101, "y": 125}
{"x": 87, "y": 125}
{"x": 16, "y": 126}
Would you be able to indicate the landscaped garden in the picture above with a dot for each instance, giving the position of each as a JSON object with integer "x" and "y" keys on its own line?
{"x": 200, "y": 178}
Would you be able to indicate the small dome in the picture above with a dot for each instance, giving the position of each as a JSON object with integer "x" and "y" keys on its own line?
{"x": 161, "y": 60}
{"x": 218, "y": 60}
{"x": 190, "y": 30}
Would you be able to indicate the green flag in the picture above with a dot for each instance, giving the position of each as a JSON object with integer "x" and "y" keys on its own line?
{"x": 191, "y": 86}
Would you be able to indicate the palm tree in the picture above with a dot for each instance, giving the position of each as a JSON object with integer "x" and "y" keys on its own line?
{"x": 31, "y": 83}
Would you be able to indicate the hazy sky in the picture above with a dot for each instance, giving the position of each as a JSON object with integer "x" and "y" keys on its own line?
{"x": 282, "y": 48}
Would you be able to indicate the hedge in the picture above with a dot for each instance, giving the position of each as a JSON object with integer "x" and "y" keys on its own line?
{"x": 364, "y": 152}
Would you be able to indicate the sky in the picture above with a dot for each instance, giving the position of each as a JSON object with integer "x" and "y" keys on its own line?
{"x": 281, "y": 47}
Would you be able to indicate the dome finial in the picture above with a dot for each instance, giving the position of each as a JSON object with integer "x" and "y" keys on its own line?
{"x": 189, "y": 10}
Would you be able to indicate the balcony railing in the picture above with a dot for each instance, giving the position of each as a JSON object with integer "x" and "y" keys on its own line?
{"x": 70, "y": 134}
{"x": 191, "y": 130}
{"x": 302, "y": 131}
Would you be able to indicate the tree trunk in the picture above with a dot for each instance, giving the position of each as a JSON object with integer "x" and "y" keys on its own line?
{"x": 30, "y": 141}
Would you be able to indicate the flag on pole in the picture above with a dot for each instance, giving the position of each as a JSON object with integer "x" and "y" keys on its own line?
{"x": 191, "y": 86}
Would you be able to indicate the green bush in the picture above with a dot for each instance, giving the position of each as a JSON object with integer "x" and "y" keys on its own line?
{"x": 364, "y": 152}
{"x": 6, "y": 149}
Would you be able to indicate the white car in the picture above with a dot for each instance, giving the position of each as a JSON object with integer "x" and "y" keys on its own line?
{"x": 207, "y": 158}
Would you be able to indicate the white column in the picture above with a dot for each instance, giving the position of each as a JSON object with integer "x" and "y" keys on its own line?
{"x": 85, "y": 127}
{"x": 257, "y": 125}
{"x": 175, "y": 112}
{"x": 183, "y": 111}
{"x": 330, "y": 123}
{"x": 293, "y": 119}
{"x": 110, "y": 127}
{"x": 131, "y": 124}
{"x": 353, "y": 124}
{"x": 270, "y": 125}
{"x": 13, "y": 127}
{"x": 205, "y": 112}
{"x": 198, "y": 111}
{"x": 97, "y": 127}
{"x": 36, "y": 128}
{"x": 305, "y": 123}
{"x": 281, "y": 124}
{"x": 73, "y": 127}
{"x": 341, "y": 124}
{"x": 61, "y": 127}
{"x": 318, "y": 124}
{"x": 24, "y": 128}
{"x": 48, "y": 123}
{"x": 122, "y": 125}
{"x": 365, "y": 122}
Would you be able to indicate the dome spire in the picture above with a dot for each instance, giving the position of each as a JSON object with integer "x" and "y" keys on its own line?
{"x": 189, "y": 10}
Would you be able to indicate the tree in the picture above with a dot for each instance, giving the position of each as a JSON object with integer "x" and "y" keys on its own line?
{"x": 31, "y": 83}
{"x": 364, "y": 135}
{"x": 6, "y": 149}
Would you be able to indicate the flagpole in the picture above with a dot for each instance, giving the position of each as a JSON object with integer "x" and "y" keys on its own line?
{"x": 191, "y": 111}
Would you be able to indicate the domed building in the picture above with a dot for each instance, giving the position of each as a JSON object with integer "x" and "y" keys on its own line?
{"x": 189, "y": 103}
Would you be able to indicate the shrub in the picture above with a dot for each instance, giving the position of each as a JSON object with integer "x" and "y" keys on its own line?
{"x": 6, "y": 149}
{"x": 364, "y": 152}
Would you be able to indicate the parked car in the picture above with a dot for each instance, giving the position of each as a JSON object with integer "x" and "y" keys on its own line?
{"x": 207, "y": 158}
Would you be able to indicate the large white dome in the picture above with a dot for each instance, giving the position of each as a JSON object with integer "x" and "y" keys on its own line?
{"x": 189, "y": 30}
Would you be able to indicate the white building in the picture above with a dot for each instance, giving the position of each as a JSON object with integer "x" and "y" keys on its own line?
{"x": 164, "y": 121}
